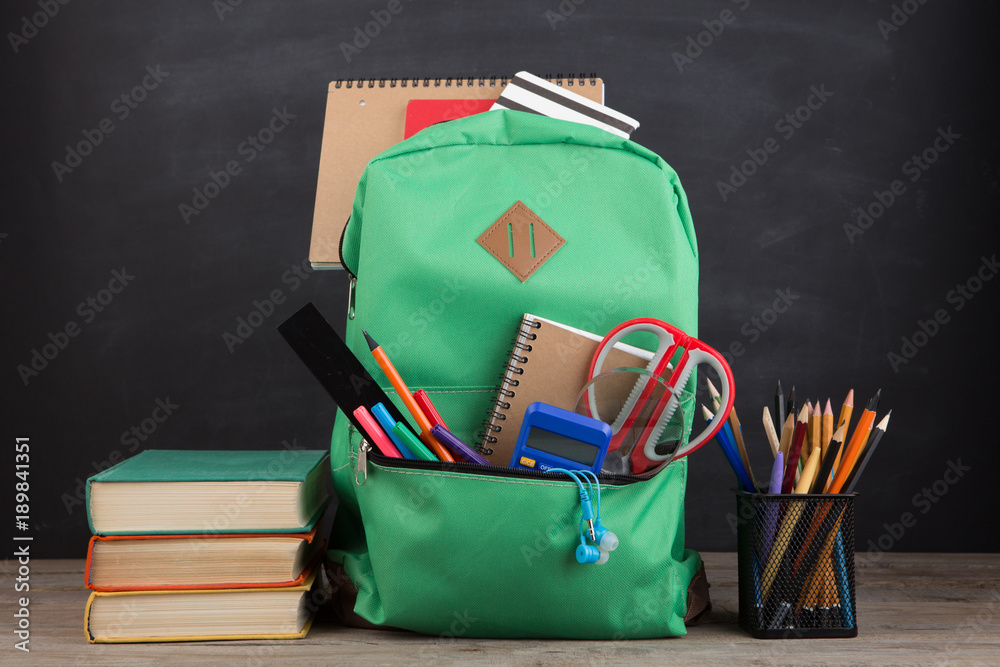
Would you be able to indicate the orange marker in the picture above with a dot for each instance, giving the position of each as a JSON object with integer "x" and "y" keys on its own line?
{"x": 397, "y": 382}
{"x": 857, "y": 443}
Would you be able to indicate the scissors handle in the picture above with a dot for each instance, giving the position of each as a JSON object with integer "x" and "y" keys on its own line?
{"x": 695, "y": 357}
{"x": 667, "y": 341}
{"x": 644, "y": 454}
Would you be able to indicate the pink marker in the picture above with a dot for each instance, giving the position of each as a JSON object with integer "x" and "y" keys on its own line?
{"x": 375, "y": 433}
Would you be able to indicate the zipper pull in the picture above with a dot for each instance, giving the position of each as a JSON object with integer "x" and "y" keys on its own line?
{"x": 361, "y": 474}
{"x": 350, "y": 297}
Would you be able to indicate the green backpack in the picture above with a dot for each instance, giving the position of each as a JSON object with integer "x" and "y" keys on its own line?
{"x": 455, "y": 550}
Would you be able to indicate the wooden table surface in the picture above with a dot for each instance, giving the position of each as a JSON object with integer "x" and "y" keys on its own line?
{"x": 913, "y": 609}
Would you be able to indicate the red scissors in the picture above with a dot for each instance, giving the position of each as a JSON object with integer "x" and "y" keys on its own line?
{"x": 671, "y": 339}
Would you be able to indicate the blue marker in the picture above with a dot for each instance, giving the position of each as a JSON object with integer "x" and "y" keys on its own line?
{"x": 387, "y": 422}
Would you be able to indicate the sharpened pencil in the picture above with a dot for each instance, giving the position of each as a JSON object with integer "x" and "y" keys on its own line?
{"x": 826, "y": 430}
{"x": 858, "y": 439}
{"x": 787, "y": 429}
{"x": 729, "y": 450}
{"x": 815, "y": 427}
{"x": 779, "y": 405}
{"x": 795, "y": 451}
{"x": 866, "y": 456}
{"x": 736, "y": 429}
{"x": 826, "y": 467}
{"x": 772, "y": 435}
{"x": 790, "y": 404}
{"x": 845, "y": 418}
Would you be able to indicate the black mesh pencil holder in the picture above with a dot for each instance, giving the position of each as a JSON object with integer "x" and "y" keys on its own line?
{"x": 796, "y": 565}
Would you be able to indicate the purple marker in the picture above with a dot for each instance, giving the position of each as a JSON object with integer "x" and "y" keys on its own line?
{"x": 457, "y": 446}
{"x": 777, "y": 473}
{"x": 772, "y": 508}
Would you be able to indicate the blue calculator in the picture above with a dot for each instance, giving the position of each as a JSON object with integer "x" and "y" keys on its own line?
{"x": 551, "y": 437}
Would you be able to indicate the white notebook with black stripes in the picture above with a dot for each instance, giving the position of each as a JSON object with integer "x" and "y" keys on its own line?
{"x": 527, "y": 92}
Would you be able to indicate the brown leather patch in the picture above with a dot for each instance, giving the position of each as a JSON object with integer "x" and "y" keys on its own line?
{"x": 521, "y": 240}
{"x": 699, "y": 600}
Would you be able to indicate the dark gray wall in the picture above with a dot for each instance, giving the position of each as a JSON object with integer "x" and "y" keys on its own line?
{"x": 886, "y": 95}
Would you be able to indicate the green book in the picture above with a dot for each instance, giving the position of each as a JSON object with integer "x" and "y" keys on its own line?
{"x": 165, "y": 491}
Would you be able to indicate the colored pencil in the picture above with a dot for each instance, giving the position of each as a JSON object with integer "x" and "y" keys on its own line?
{"x": 772, "y": 436}
{"x": 735, "y": 428}
{"x": 826, "y": 431}
{"x": 850, "y": 457}
{"x": 846, "y": 410}
{"x": 790, "y": 404}
{"x": 808, "y": 473}
{"x": 815, "y": 427}
{"x": 779, "y": 405}
{"x": 866, "y": 456}
{"x": 832, "y": 452}
{"x": 729, "y": 450}
{"x": 795, "y": 450}
{"x": 786, "y": 434}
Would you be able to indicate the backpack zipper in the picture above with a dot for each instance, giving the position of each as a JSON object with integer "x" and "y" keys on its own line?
{"x": 366, "y": 452}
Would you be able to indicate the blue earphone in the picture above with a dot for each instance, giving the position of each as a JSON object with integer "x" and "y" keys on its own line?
{"x": 605, "y": 539}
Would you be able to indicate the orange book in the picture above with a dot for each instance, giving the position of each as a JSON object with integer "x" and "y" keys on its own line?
{"x": 188, "y": 562}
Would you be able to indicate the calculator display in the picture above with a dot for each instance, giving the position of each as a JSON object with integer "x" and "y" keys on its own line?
{"x": 559, "y": 445}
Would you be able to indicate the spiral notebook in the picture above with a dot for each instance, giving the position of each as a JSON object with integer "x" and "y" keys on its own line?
{"x": 550, "y": 363}
{"x": 365, "y": 117}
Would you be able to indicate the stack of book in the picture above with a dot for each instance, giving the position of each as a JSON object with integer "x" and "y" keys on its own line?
{"x": 205, "y": 545}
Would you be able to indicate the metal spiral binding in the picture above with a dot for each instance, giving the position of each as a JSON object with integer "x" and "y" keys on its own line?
{"x": 503, "y": 388}
{"x": 459, "y": 82}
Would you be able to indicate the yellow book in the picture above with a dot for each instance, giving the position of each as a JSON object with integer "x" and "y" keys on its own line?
{"x": 201, "y": 615}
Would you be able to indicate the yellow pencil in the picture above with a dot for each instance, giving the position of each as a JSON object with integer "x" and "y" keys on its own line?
{"x": 845, "y": 418}
{"x": 808, "y": 473}
{"x": 827, "y": 427}
{"x": 786, "y": 435}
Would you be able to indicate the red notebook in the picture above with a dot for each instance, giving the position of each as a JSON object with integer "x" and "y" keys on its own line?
{"x": 424, "y": 113}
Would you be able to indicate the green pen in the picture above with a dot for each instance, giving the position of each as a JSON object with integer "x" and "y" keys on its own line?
{"x": 413, "y": 442}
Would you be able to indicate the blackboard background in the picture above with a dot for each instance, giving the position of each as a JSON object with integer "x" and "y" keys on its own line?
{"x": 161, "y": 337}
